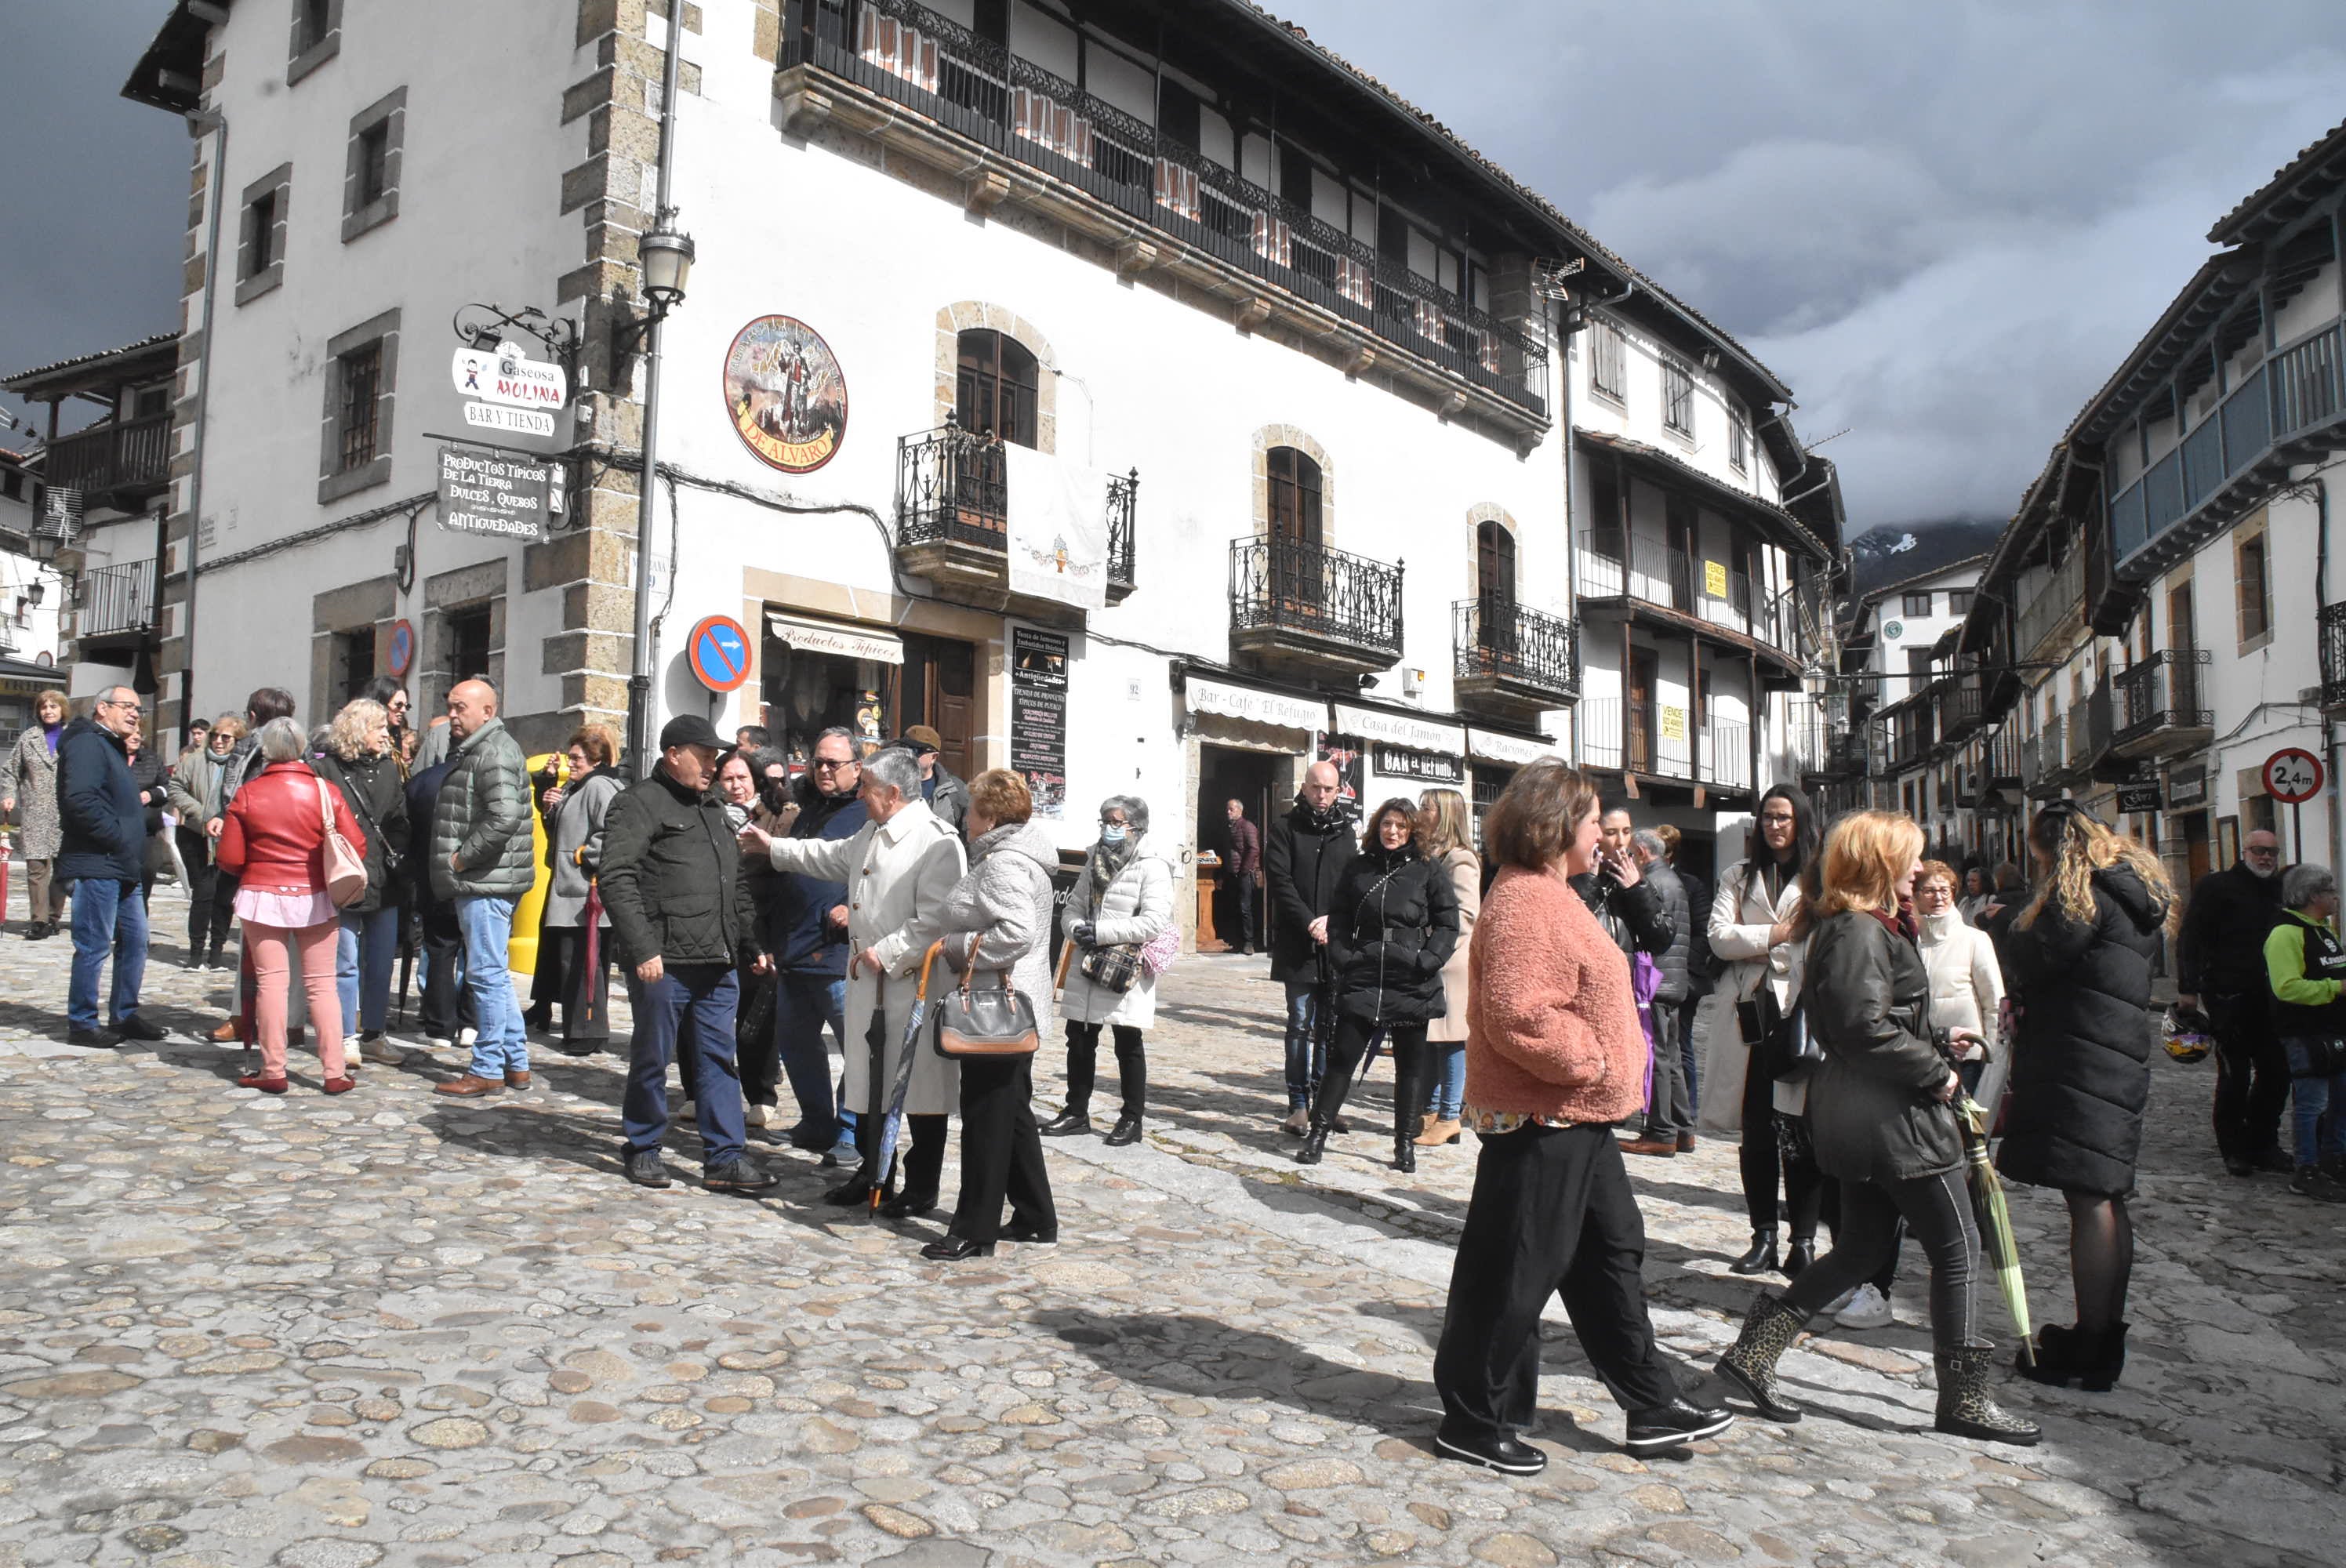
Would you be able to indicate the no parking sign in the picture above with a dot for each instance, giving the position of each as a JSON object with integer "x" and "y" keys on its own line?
{"x": 718, "y": 651}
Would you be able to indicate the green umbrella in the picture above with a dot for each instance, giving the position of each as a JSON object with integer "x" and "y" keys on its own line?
{"x": 2003, "y": 1253}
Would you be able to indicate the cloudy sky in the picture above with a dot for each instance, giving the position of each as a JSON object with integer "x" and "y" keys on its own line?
{"x": 1943, "y": 222}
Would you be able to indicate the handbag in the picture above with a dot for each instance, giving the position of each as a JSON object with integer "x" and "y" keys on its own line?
{"x": 974, "y": 1022}
{"x": 1756, "y": 1016}
{"x": 346, "y": 872}
{"x": 1791, "y": 1053}
{"x": 1157, "y": 954}
{"x": 1112, "y": 968}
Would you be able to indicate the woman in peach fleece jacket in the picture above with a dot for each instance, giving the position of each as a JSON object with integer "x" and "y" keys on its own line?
{"x": 1553, "y": 1058}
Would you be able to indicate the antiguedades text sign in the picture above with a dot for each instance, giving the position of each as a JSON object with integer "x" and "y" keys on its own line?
{"x": 489, "y": 493}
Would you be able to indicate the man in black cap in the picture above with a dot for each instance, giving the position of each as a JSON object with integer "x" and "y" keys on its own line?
{"x": 683, "y": 921}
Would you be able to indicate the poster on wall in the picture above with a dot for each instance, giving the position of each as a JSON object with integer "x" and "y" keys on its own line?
{"x": 1038, "y": 716}
{"x": 786, "y": 394}
{"x": 1349, "y": 756}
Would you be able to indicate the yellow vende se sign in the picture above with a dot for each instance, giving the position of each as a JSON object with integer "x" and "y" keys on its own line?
{"x": 1714, "y": 578}
{"x": 1674, "y": 723}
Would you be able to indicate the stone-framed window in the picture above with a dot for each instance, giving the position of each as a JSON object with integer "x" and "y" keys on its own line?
{"x": 370, "y": 178}
{"x": 317, "y": 37}
{"x": 260, "y": 238}
{"x": 362, "y": 374}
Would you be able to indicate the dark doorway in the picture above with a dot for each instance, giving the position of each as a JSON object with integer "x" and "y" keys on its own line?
{"x": 2199, "y": 857}
{"x": 1680, "y": 525}
{"x": 940, "y": 690}
{"x": 1259, "y": 781}
{"x": 1645, "y": 679}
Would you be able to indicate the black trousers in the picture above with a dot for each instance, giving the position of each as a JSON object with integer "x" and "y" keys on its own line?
{"x": 1083, "y": 1067}
{"x": 1001, "y": 1152}
{"x": 1245, "y": 887}
{"x": 203, "y": 880}
{"x": 2251, "y": 1075}
{"x": 1410, "y": 1067}
{"x": 586, "y": 998}
{"x": 923, "y": 1153}
{"x": 1553, "y": 1211}
{"x": 224, "y": 886}
{"x": 446, "y": 1005}
{"x": 761, "y": 1039}
{"x": 1938, "y": 1209}
{"x": 1765, "y": 1161}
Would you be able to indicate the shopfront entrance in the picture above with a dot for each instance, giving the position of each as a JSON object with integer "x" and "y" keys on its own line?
{"x": 818, "y": 674}
{"x": 1258, "y": 781}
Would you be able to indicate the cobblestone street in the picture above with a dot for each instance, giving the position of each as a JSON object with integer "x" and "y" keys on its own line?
{"x": 383, "y": 1328}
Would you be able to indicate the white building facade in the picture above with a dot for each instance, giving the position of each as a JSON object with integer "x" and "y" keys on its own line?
{"x": 1057, "y": 384}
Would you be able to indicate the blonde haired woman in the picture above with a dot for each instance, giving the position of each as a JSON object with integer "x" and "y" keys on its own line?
{"x": 28, "y": 779}
{"x": 355, "y": 756}
{"x": 2081, "y": 957}
{"x": 1449, "y": 844}
{"x": 1881, "y": 1119}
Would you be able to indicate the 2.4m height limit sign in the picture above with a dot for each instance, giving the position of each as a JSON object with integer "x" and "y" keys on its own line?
{"x": 2293, "y": 776}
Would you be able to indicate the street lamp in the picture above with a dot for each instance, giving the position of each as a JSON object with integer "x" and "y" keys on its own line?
{"x": 666, "y": 258}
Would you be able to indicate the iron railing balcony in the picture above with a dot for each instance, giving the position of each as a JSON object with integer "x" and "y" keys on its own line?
{"x": 2061, "y": 599}
{"x": 2090, "y": 729}
{"x": 952, "y": 523}
{"x": 2333, "y": 655}
{"x": 116, "y": 601}
{"x": 2162, "y": 705}
{"x": 2045, "y": 759}
{"x": 1512, "y": 659}
{"x": 1724, "y": 755}
{"x": 1604, "y": 742}
{"x": 121, "y": 459}
{"x": 975, "y": 88}
{"x": 1311, "y": 609}
{"x": 1961, "y": 707}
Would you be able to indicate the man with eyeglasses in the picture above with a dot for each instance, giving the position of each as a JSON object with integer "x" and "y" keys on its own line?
{"x": 103, "y": 858}
{"x": 2219, "y": 965}
{"x": 806, "y": 923}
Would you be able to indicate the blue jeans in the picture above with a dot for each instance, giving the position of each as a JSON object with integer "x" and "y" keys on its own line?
{"x": 1449, "y": 1077}
{"x": 502, "y": 1046}
{"x": 2320, "y": 1104}
{"x": 1307, "y": 1054}
{"x": 689, "y": 1010}
{"x": 363, "y": 951}
{"x": 106, "y": 914}
{"x": 807, "y": 1001}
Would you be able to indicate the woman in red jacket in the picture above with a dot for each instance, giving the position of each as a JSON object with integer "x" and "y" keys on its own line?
{"x": 273, "y": 840}
{"x": 1553, "y": 1058}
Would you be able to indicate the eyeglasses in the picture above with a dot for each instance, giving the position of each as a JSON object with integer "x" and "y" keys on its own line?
{"x": 823, "y": 764}
{"x": 114, "y": 702}
{"x": 2263, "y": 850}
{"x": 1777, "y": 819}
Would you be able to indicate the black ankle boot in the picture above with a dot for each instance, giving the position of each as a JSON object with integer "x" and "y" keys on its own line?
{"x": 1761, "y": 1258}
{"x": 1404, "y": 1154}
{"x": 1798, "y": 1255}
{"x": 1315, "y": 1146}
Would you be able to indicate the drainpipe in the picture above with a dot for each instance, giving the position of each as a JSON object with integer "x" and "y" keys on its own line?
{"x": 197, "y": 123}
{"x": 2320, "y": 607}
{"x": 640, "y": 675}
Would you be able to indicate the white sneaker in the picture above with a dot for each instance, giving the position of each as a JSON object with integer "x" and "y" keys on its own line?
{"x": 468, "y": 1036}
{"x": 753, "y": 1114}
{"x": 1868, "y": 1309}
{"x": 439, "y": 1042}
{"x": 1840, "y": 1303}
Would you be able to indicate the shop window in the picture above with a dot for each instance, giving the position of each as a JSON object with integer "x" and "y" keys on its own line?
{"x": 996, "y": 387}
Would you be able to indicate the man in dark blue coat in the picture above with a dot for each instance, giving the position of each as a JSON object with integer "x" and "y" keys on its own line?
{"x": 103, "y": 858}
{"x": 806, "y": 921}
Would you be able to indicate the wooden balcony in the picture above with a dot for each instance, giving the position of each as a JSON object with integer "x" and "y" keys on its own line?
{"x": 117, "y": 463}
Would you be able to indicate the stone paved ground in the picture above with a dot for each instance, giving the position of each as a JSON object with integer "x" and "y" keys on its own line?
{"x": 382, "y": 1328}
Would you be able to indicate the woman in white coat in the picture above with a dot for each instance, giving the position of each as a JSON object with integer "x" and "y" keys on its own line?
{"x": 1122, "y": 899}
{"x": 900, "y": 869}
{"x": 1966, "y": 981}
{"x": 1752, "y": 935}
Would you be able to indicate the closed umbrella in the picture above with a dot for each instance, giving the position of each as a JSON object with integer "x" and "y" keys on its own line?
{"x": 892, "y": 1128}
{"x": 1996, "y": 1243}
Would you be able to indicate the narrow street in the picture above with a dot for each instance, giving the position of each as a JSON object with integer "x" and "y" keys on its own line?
{"x": 328, "y": 1333}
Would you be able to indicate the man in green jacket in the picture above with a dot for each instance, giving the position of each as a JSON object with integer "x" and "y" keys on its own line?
{"x": 482, "y": 862}
{"x": 2306, "y": 964}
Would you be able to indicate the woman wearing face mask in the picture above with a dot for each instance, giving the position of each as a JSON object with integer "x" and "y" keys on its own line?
{"x": 574, "y": 849}
{"x": 1391, "y": 927}
{"x": 195, "y": 796}
{"x": 1122, "y": 898}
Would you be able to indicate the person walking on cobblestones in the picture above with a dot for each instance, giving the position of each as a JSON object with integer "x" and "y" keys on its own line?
{"x": 1392, "y": 928}
{"x": 102, "y": 856}
{"x": 28, "y": 783}
{"x": 2308, "y": 967}
{"x": 1880, "y": 1114}
{"x": 901, "y": 865}
{"x": 2219, "y": 967}
{"x": 1122, "y": 900}
{"x": 1553, "y": 1058}
{"x": 684, "y": 925}
{"x": 1305, "y": 857}
{"x": 483, "y": 862}
{"x": 2080, "y": 976}
{"x": 356, "y": 759}
{"x": 1449, "y": 844}
{"x": 195, "y": 794}
{"x": 273, "y": 841}
{"x": 997, "y": 926}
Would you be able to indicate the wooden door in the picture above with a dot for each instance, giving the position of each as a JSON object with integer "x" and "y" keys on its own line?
{"x": 1680, "y": 527}
{"x": 1645, "y": 680}
{"x": 940, "y": 690}
{"x": 2198, "y": 855}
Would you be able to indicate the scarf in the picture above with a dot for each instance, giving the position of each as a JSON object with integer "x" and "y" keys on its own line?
{"x": 1106, "y": 861}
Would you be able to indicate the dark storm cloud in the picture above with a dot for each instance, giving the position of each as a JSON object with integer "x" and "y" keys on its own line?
{"x": 1944, "y": 224}
{"x": 94, "y": 188}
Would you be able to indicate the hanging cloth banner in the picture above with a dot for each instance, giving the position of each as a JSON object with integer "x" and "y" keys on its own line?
{"x": 1058, "y": 529}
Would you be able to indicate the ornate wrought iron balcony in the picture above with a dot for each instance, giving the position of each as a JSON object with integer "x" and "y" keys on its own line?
{"x": 1308, "y": 607}
{"x": 116, "y": 601}
{"x": 2163, "y": 704}
{"x": 1511, "y": 660}
{"x": 952, "y": 524}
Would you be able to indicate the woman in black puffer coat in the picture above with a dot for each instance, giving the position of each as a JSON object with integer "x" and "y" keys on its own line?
{"x": 1393, "y": 925}
{"x": 2080, "y": 958}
